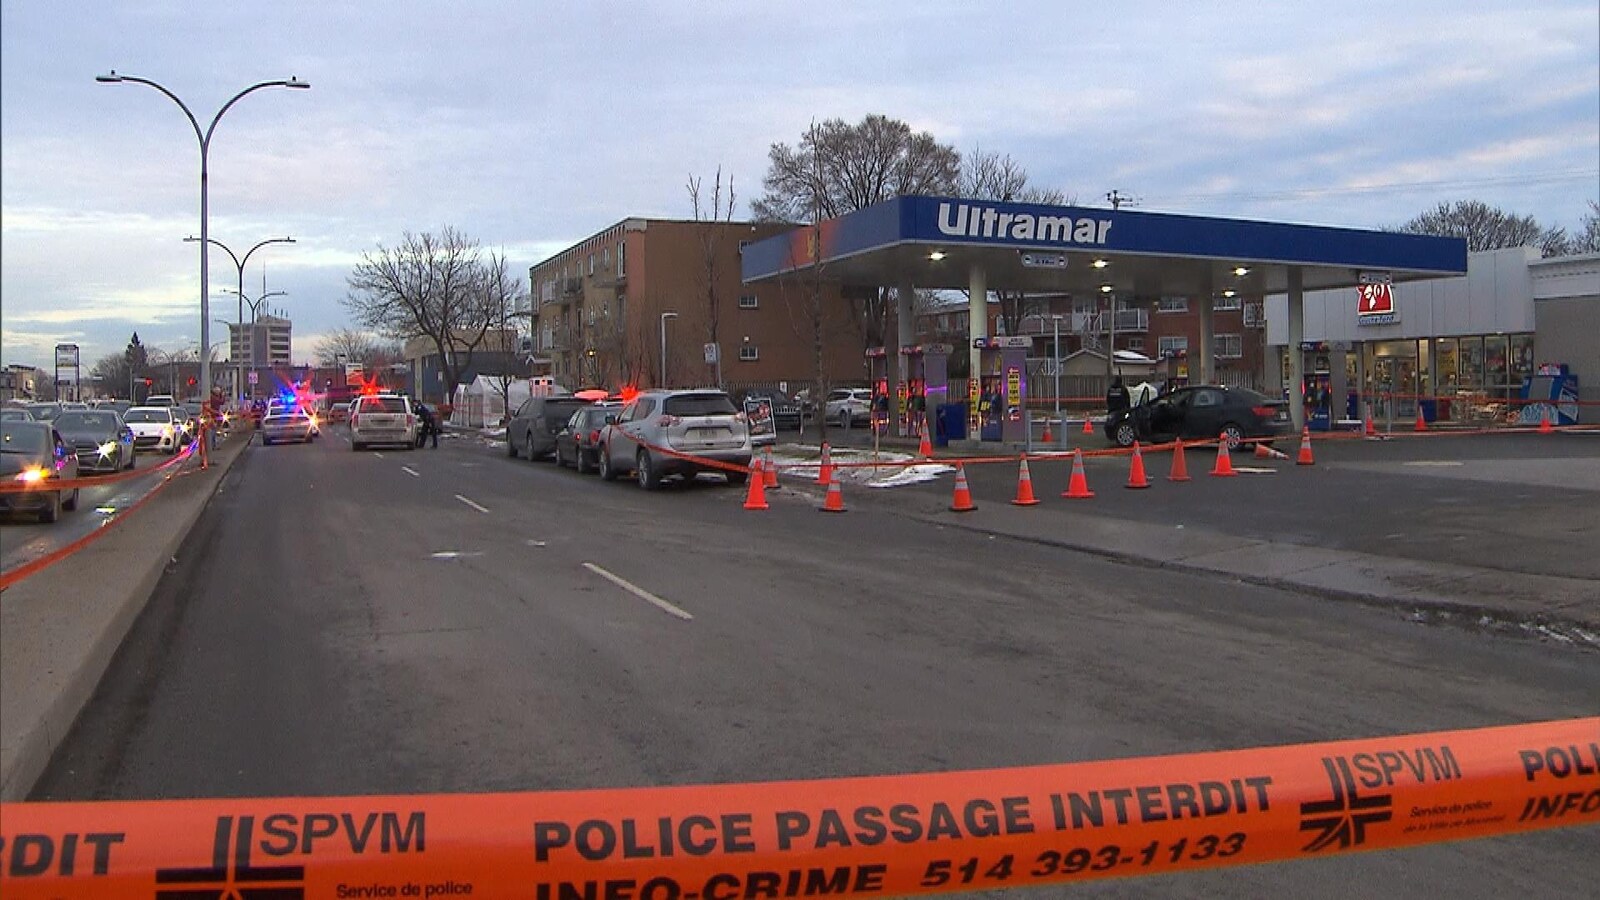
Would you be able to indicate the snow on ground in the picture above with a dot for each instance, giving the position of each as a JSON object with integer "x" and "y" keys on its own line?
{"x": 893, "y": 469}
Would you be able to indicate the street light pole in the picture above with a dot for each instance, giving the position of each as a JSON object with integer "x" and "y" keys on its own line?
{"x": 240, "y": 263}
{"x": 1055, "y": 322}
{"x": 664, "y": 317}
{"x": 204, "y": 137}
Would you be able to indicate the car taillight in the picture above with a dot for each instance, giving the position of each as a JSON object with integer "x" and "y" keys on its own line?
{"x": 410, "y": 420}
{"x": 594, "y": 436}
{"x": 1265, "y": 412}
{"x": 667, "y": 421}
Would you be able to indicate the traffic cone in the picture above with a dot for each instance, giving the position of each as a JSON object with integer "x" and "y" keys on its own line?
{"x": 1262, "y": 451}
{"x": 1078, "y": 485}
{"x": 1025, "y": 486}
{"x": 835, "y": 499}
{"x": 1136, "y": 477}
{"x": 1224, "y": 467}
{"x": 825, "y": 471}
{"x": 1305, "y": 449}
{"x": 1370, "y": 431}
{"x": 756, "y": 497}
{"x": 1088, "y": 427}
{"x": 1180, "y": 467}
{"x": 1047, "y": 437}
{"x": 925, "y": 447}
{"x": 1544, "y": 422}
{"x": 1422, "y": 423}
{"x": 961, "y": 501}
{"x": 769, "y": 471}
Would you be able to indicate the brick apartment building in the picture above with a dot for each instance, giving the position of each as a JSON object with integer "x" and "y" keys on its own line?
{"x": 603, "y": 308}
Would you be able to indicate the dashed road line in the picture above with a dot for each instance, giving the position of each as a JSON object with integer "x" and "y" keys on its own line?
{"x": 410, "y": 471}
{"x": 377, "y": 454}
{"x": 471, "y": 504}
{"x": 639, "y": 592}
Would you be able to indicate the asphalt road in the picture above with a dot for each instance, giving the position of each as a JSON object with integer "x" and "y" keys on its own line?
{"x": 23, "y": 538}
{"x": 347, "y": 623}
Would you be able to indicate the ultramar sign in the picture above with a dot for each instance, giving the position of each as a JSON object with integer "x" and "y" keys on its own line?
{"x": 975, "y": 220}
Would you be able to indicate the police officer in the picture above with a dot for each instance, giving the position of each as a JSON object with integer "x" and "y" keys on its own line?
{"x": 429, "y": 426}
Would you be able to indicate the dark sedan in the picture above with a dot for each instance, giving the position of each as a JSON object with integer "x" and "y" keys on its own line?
{"x": 578, "y": 442}
{"x": 103, "y": 441}
{"x": 1200, "y": 413}
{"x": 34, "y": 454}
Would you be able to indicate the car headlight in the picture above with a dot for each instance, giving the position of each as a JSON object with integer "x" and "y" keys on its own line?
{"x": 108, "y": 448}
{"x": 166, "y": 431}
{"x": 32, "y": 475}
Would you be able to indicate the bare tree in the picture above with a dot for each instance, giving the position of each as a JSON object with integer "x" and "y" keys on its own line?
{"x": 432, "y": 286}
{"x": 504, "y": 296}
{"x": 345, "y": 345}
{"x": 838, "y": 168}
{"x": 710, "y": 217}
{"x": 992, "y": 176}
{"x": 1588, "y": 240}
{"x": 1486, "y": 227}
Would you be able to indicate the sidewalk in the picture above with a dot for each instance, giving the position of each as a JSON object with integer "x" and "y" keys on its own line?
{"x": 60, "y": 628}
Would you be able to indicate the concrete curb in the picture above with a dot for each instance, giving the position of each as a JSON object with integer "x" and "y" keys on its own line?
{"x": 61, "y": 629}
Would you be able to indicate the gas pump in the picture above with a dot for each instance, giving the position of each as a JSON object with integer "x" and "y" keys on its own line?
{"x": 1317, "y": 387}
{"x": 911, "y": 408}
{"x": 878, "y": 372}
{"x": 1002, "y": 386}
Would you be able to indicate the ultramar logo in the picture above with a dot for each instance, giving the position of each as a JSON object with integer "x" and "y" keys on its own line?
{"x": 1357, "y": 781}
{"x": 236, "y": 871}
{"x": 981, "y": 221}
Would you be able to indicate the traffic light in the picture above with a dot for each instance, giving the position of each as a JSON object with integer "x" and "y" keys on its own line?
{"x": 149, "y": 381}
{"x": 192, "y": 380}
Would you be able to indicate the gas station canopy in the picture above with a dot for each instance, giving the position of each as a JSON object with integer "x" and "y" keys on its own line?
{"x": 936, "y": 242}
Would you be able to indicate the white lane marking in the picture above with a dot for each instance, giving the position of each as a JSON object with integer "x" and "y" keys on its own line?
{"x": 456, "y": 554}
{"x": 377, "y": 454}
{"x": 639, "y": 592}
{"x": 1433, "y": 463}
{"x": 1254, "y": 470}
{"x": 471, "y": 504}
{"x": 534, "y": 543}
{"x": 410, "y": 471}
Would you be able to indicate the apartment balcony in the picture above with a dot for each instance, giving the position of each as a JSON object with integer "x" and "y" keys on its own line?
{"x": 1129, "y": 321}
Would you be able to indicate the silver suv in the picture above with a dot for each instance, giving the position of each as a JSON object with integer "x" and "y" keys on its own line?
{"x": 700, "y": 423}
{"x": 382, "y": 419}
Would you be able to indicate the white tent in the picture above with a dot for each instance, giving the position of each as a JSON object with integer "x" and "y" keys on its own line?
{"x": 482, "y": 405}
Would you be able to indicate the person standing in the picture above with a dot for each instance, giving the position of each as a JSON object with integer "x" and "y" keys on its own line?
{"x": 428, "y": 426}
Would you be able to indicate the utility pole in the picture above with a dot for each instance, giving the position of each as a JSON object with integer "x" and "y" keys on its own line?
{"x": 1117, "y": 198}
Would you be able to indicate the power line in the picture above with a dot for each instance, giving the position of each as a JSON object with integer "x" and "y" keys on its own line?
{"x": 1397, "y": 186}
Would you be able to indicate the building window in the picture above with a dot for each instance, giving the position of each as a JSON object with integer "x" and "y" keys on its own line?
{"x": 1135, "y": 343}
{"x": 591, "y": 264}
{"x": 748, "y": 301}
{"x": 1229, "y": 346}
{"x": 605, "y": 257}
{"x": 1173, "y": 344}
{"x": 1225, "y": 303}
{"x": 1172, "y": 304}
{"x": 622, "y": 258}
{"x": 748, "y": 353}
{"x": 1253, "y": 317}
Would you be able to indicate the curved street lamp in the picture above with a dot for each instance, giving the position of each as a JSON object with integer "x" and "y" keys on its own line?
{"x": 204, "y": 137}
{"x": 239, "y": 263}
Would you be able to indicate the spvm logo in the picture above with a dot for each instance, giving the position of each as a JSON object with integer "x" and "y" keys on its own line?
{"x": 232, "y": 875}
{"x": 1343, "y": 820}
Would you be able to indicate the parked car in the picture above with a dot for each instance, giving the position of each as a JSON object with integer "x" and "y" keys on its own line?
{"x": 1200, "y": 412}
{"x": 154, "y": 428}
{"x": 382, "y": 419}
{"x": 44, "y": 412}
{"x": 532, "y": 431}
{"x": 16, "y": 414}
{"x": 704, "y": 423}
{"x": 100, "y": 438}
{"x": 785, "y": 409}
{"x": 848, "y": 406}
{"x": 73, "y": 406}
{"x": 35, "y": 454}
{"x": 288, "y": 424}
{"x": 579, "y": 439}
{"x": 159, "y": 400}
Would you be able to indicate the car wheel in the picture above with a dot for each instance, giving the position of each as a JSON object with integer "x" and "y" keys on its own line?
{"x": 581, "y": 463}
{"x": 527, "y": 442}
{"x": 1233, "y": 434}
{"x": 736, "y": 478}
{"x": 71, "y": 503}
{"x": 52, "y": 509}
{"x": 1125, "y": 435}
{"x": 607, "y": 473}
{"x": 266, "y": 441}
{"x": 649, "y": 479}
{"x": 133, "y": 459}
{"x": 357, "y": 446}
{"x": 844, "y": 419}
{"x": 511, "y": 447}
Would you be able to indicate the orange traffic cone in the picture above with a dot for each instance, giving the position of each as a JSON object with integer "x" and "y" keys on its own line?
{"x": 1370, "y": 431}
{"x": 1025, "y": 487}
{"x": 835, "y": 499}
{"x": 1180, "y": 466}
{"x": 1544, "y": 422}
{"x": 1262, "y": 451}
{"x": 1136, "y": 477}
{"x": 769, "y": 471}
{"x": 756, "y": 497}
{"x": 1078, "y": 485}
{"x": 1305, "y": 449}
{"x": 961, "y": 501}
{"x": 1047, "y": 437}
{"x": 825, "y": 471}
{"x": 1422, "y": 423}
{"x": 924, "y": 447}
{"x": 1224, "y": 467}
{"x": 1088, "y": 427}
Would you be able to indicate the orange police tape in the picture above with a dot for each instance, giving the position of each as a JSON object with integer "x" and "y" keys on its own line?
{"x": 879, "y": 836}
{"x": 13, "y": 487}
{"x": 33, "y": 567}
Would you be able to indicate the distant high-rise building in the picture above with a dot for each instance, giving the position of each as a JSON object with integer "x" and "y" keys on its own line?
{"x": 271, "y": 337}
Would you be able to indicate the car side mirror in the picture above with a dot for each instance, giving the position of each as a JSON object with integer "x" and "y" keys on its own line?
{"x": 611, "y": 419}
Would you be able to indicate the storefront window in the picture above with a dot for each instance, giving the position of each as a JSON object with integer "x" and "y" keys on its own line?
{"x": 1472, "y": 363}
{"x": 1449, "y": 365}
{"x": 1521, "y": 358}
{"x": 1496, "y": 365}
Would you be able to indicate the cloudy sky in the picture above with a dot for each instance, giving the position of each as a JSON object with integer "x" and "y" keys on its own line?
{"x": 531, "y": 125}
